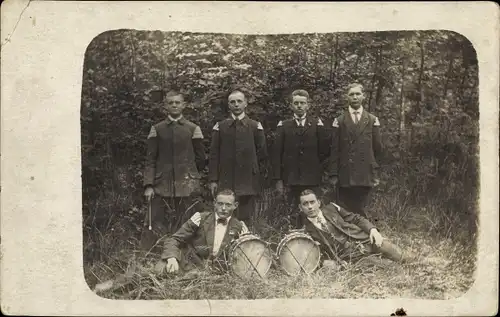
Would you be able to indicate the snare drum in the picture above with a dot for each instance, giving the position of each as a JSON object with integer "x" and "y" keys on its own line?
{"x": 298, "y": 252}
{"x": 249, "y": 256}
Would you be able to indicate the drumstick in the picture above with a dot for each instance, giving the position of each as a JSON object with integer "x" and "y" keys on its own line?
{"x": 255, "y": 269}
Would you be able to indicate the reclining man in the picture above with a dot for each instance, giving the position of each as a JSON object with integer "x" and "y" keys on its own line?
{"x": 202, "y": 239}
{"x": 345, "y": 236}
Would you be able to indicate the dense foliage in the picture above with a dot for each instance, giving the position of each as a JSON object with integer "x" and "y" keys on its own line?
{"x": 423, "y": 86}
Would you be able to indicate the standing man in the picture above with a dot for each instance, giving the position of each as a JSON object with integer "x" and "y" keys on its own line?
{"x": 237, "y": 151}
{"x": 356, "y": 148}
{"x": 300, "y": 150}
{"x": 174, "y": 160}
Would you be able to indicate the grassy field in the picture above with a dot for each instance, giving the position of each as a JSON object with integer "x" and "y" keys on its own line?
{"x": 450, "y": 252}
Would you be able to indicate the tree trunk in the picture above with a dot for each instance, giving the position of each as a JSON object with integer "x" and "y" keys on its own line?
{"x": 448, "y": 74}
{"x": 375, "y": 70}
{"x": 420, "y": 77}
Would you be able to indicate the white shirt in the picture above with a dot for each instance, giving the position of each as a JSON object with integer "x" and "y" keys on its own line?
{"x": 176, "y": 119}
{"x": 316, "y": 221}
{"x": 300, "y": 120}
{"x": 360, "y": 112}
{"x": 219, "y": 233}
{"x": 241, "y": 116}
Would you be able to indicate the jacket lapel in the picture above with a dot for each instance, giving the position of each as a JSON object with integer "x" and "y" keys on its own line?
{"x": 209, "y": 231}
{"x": 231, "y": 228}
{"x": 363, "y": 122}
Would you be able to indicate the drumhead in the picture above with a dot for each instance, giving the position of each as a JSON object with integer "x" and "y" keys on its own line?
{"x": 250, "y": 257}
{"x": 297, "y": 253}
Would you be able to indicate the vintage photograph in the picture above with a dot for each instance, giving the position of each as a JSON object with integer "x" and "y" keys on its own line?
{"x": 301, "y": 166}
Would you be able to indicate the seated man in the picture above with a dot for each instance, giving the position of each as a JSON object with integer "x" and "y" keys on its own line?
{"x": 344, "y": 236}
{"x": 203, "y": 237}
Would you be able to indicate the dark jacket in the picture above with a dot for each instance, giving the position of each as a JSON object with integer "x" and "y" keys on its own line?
{"x": 174, "y": 159}
{"x": 200, "y": 237}
{"x": 347, "y": 229}
{"x": 355, "y": 150}
{"x": 300, "y": 152}
{"x": 237, "y": 150}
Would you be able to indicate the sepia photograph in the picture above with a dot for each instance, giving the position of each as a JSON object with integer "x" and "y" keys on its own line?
{"x": 322, "y": 165}
{"x": 168, "y": 158}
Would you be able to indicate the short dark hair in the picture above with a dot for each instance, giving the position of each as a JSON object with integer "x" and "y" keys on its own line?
{"x": 226, "y": 192}
{"x": 299, "y": 92}
{"x": 240, "y": 89}
{"x": 353, "y": 85}
{"x": 173, "y": 93}
{"x": 306, "y": 192}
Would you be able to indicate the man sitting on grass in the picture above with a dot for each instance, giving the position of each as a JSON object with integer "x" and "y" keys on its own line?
{"x": 203, "y": 238}
{"x": 345, "y": 236}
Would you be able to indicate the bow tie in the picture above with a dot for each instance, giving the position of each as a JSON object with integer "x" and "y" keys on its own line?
{"x": 222, "y": 221}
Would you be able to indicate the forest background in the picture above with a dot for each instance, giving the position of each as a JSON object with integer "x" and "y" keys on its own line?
{"x": 422, "y": 85}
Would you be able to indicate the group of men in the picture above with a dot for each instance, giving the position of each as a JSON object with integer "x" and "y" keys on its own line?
{"x": 304, "y": 154}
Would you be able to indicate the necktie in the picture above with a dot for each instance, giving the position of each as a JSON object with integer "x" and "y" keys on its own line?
{"x": 222, "y": 221}
{"x": 323, "y": 224}
{"x": 356, "y": 118}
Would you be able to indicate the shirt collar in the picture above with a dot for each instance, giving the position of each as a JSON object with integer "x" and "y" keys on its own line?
{"x": 217, "y": 218}
{"x": 299, "y": 118}
{"x": 351, "y": 110}
{"x": 175, "y": 120}
{"x": 315, "y": 219}
{"x": 240, "y": 117}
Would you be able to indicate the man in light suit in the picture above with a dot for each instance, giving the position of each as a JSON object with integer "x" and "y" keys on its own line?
{"x": 355, "y": 152}
{"x": 343, "y": 235}
{"x": 204, "y": 237}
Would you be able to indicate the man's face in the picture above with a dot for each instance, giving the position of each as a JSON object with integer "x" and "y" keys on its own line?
{"x": 237, "y": 103}
{"x": 299, "y": 105}
{"x": 309, "y": 205}
{"x": 175, "y": 105}
{"x": 355, "y": 97}
{"x": 225, "y": 205}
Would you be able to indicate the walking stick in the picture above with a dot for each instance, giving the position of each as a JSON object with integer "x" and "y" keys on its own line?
{"x": 149, "y": 213}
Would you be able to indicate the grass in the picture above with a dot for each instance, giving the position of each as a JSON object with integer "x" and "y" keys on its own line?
{"x": 430, "y": 216}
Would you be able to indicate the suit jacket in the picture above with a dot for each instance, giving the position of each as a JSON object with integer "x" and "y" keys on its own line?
{"x": 174, "y": 158}
{"x": 347, "y": 228}
{"x": 355, "y": 150}
{"x": 237, "y": 151}
{"x": 300, "y": 152}
{"x": 200, "y": 237}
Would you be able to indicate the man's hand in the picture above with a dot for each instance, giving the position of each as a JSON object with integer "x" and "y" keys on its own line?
{"x": 172, "y": 265}
{"x": 160, "y": 267}
{"x": 279, "y": 187}
{"x": 376, "y": 182}
{"x": 213, "y": 188}
{"x": 376, "y": 237}
{"x": 149, "y": 193}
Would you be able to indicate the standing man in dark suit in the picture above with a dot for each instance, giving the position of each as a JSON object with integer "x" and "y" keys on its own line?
{"x": 203, "y": 237}
{"x": 174, "y": 160}
{"x": 356, "y": 148}
{"x": 345, "y": 236}
{"x": 237, "y": 151}
{"x": 299, "y": 152}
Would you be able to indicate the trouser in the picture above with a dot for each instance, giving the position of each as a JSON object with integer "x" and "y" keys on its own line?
{"x": 354, "y": 199}
{"x": 356, "y": 250}
{"x": 293, "y": 201}
{"x": 246, "y": 209}
{"x": 167, "y": 215}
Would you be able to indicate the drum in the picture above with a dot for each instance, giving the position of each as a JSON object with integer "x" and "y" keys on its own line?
{"x": 298, "y": 252}
{"x": 249, "y": 256}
